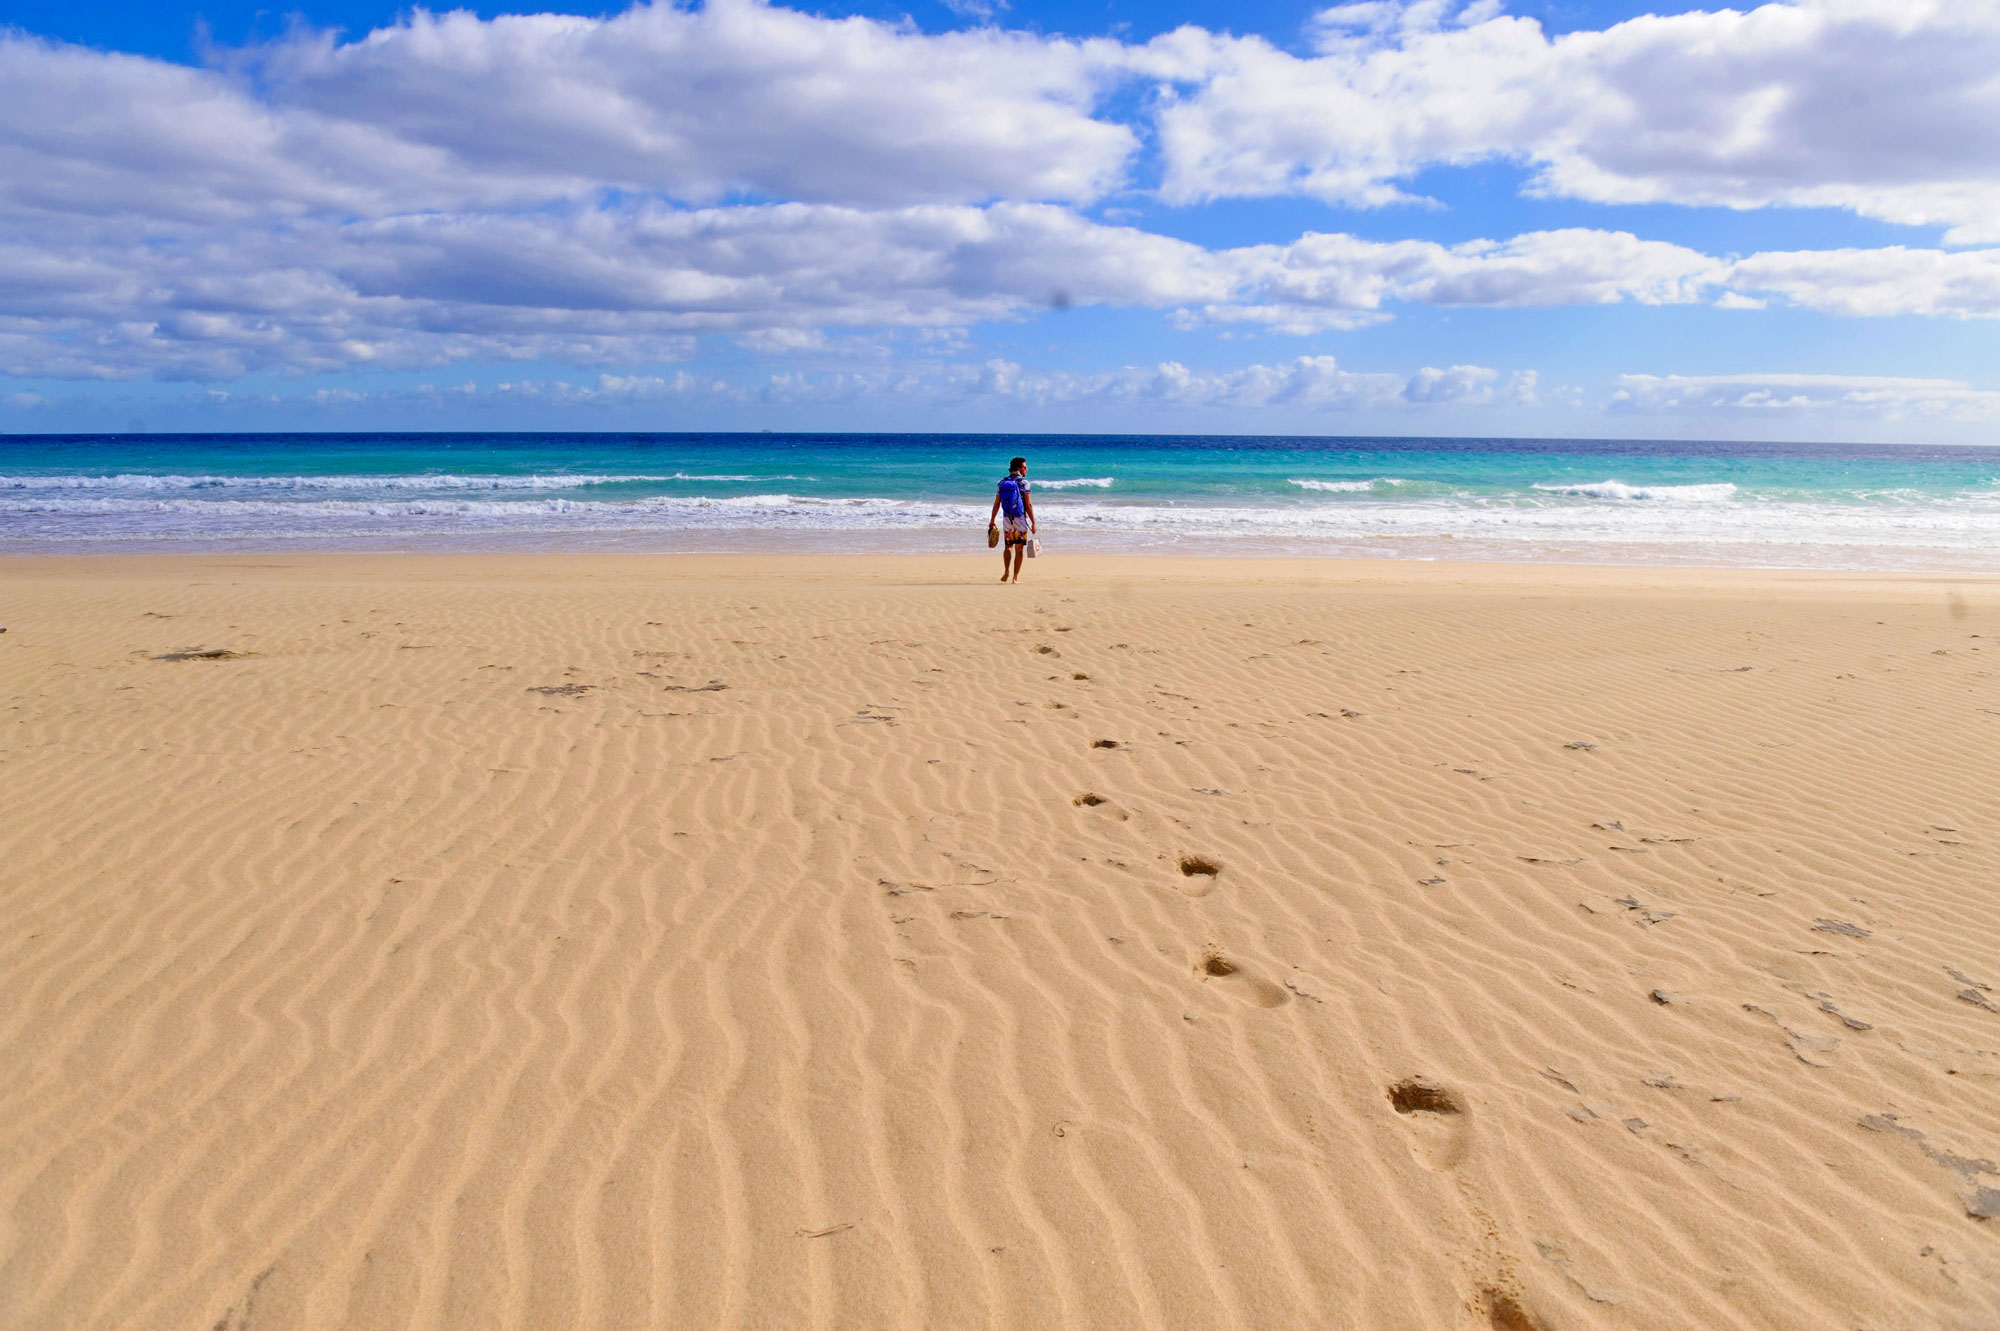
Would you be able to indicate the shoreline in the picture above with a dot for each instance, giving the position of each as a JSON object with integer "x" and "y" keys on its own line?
{"x": 1053, "y": 571}
{"x": 1675, "y": 506}
{"x": 899, "y": 545}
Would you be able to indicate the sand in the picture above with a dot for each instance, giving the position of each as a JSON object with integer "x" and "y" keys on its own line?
{"x": 628, "y": 942}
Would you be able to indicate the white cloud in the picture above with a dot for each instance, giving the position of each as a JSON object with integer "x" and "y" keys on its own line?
{"x": 641, "y": 283}
{"x": 1872, "y": 397}
{"x": 1894, "y": 280}
{"x": 781, "y": 341}
{"x": 1342, "y": 281}
{"x": 108, "y": 137}
{"x": 606, "y": 390}
{"x": 734, "y": 96}
{"x": 1471, "y": 383}
{"x": 1888, "y": 108}
{"x": 1884, "y": 107}
{"x": 603, "y": 286}
{"x": 449, "y": 111}
{"x": 585, "y": 286}
{"x": 980, "y": 10}
{"x": 1309, "y": 382}
{"x": 1303, "y": 383}
{"x": 451, "y": 189}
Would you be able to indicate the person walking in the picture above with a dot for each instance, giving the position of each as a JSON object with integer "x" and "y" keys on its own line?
{"x": 1014, "y": 510}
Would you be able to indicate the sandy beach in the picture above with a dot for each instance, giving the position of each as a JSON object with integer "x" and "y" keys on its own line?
{"x": 634, "y": 942}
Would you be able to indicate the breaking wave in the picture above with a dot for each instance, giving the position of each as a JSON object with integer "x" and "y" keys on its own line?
{"x": 147, "y": 483}
{"x": 1350, "y": 487}
{"x": 1697, "y": 494}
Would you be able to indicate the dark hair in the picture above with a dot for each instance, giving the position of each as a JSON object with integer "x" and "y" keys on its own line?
{"x": 1017, "y": 464}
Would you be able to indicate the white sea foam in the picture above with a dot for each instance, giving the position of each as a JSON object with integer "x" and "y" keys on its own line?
{"x": 1094, "y": 483}
{"x": 231, "y": 510}
{"x": 1349, "y": 487}
{"x": 147, "y": 483}
{"x": 1499, "y": 517}
{"x": 1958, "y": 531}
{"x": 1697, "y": 494}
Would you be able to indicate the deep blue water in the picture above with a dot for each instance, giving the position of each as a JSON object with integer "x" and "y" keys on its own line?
{"x": 1784, "y": 505}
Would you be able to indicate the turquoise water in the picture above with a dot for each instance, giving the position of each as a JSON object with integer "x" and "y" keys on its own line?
{"x": 1770, "y": 505}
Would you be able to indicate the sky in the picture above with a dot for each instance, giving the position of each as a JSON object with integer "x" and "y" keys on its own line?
{"x": 1549, "y": 218}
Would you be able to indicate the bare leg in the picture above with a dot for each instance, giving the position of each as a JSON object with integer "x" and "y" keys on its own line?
{"x": 1005, "y": 551}
{"x": 1020, "y": 553}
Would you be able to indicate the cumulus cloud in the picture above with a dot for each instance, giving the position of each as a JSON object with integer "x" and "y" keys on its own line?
{"x": 586, "y": 286}
{"x": 450, "y": 111}
{"x": 1874, "y": 397}
{"x": 1308, "y": 385}
{"x": 1888, "y": 108}
{"x": 734, "y": 96}
{"x": 451, "y": 189}
{"x": 1316, "y": 383}
{"x": 1341, "y": 280}
{"x": 1885, "y": 107}
{"x": 1308, "y": 382}
{"x": 1312, "y": 382}
{"x": 639, "y": 283}
{"x": 643, "y": 282}
{"x": 1303, "y": 383}
{"x": 101, "y": 136}
{"x": 1962, "y": 284}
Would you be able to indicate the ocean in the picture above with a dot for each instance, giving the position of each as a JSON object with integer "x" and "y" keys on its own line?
{"x": 1827, "y": 506}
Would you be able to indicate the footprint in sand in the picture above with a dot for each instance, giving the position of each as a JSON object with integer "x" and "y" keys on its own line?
{"x": 1505, "y": 1311}
{"x": 1090, "y": 799}
{"x": 1438, "y": 1118}
{"x": 1248, "y": 988}
{"x": 1199, "y": 874}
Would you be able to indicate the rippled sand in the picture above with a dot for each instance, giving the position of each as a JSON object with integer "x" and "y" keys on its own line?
{"x": 642, "y": 942}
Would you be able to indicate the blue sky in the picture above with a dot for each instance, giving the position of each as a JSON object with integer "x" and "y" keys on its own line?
{"x": 1542, "y": 218}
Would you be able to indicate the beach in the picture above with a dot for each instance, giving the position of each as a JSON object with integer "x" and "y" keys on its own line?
{"x": 620, "y": 941}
